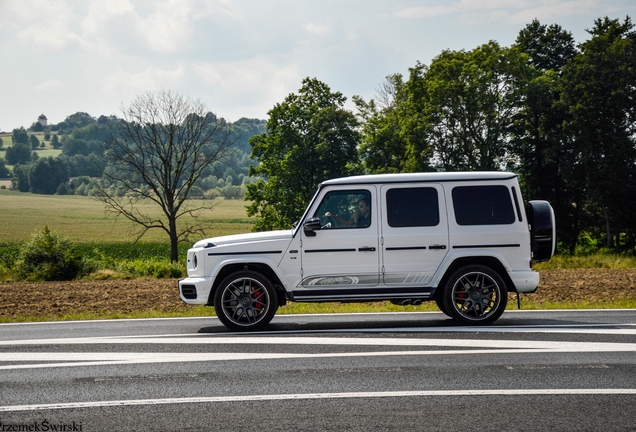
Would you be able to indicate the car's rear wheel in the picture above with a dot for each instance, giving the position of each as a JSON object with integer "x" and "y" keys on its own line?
{"x": 475, "y": 295}
{"x": 439, "y": 301}
{"x": 245, "y": 301}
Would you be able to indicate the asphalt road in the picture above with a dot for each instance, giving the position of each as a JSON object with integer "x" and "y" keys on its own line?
{"x": 559, "y": 370}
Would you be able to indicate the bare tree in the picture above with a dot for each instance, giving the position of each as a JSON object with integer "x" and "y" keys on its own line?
{"x": 162, "y": 146}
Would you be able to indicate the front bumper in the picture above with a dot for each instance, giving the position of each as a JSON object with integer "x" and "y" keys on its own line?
{"x": 195, "y": 290}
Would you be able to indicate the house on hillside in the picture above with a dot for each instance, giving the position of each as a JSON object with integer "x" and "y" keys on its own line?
{"x": 43, "y": 120}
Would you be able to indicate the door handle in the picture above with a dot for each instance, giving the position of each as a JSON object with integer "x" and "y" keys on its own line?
{"x": 366, "y": 249}
{"x": 437, "y": 247}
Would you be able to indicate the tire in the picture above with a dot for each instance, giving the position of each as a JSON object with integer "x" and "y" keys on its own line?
{"x": 439, "y": 301}
{"x": 542, "y": 230}
{"x": 245, "y": 301}
{"x": 475, "y": 295}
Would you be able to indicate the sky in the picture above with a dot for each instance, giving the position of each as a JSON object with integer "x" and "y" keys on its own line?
{"x": 241, "y": 57}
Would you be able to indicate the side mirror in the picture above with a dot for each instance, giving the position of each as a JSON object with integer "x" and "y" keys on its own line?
{"x": 311, "y": 225}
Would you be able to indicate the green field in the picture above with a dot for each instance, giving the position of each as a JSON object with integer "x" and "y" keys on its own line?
{"x": 83, "y": 219}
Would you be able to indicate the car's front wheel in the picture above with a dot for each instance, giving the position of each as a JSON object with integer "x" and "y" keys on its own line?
{"x": 475, "y": 295}
{"x": 245, "y": 301}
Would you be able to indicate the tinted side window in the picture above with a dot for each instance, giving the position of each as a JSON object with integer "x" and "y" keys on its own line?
{"x": 483, "y": 205}
{"x": 412, "y": 207}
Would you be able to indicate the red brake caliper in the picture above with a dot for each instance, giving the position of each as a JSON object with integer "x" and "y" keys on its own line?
{"x": 256, "y": 295}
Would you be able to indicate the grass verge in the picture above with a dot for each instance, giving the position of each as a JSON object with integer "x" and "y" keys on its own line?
{"x": 319, "y": 308}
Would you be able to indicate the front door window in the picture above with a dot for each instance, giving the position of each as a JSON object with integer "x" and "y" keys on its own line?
{"x": 345, "y": 251}
{"x": 345, "y": 209}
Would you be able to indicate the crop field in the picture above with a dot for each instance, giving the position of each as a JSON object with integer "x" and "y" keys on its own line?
{"x": 83, "y": 219}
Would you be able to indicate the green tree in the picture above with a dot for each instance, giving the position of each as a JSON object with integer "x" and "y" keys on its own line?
{"x": 55, "y": 142}
{"x": 20, "y": 178}
{"x": 244, "y": 129}
{"x": 34, "y": 142}
{"x": 546, "y": 160}
{"x": 161, "y": 148}
{"x": 599, "y": 90}
{"x": 78, "y": 120}
{"x": 20, "y": 136}
{"x": 46, "y": 174}
{"x": 1, "y": 142}
{"x": 469, "y": 103}
{"x": 4, "y": 171}
{"x": 386, "y": 144}
{"x": 80, "y": 165}
{"x": 72, "y": 146}
{"x": 549, "y": 47}
{"x": 18, "y": 154}
{"x": 309, "y": 138}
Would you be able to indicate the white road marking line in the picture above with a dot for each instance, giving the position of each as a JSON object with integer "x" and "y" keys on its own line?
{"x": 70, "y": 359}
{"x": 309, "y": 396}
{"x": 336, "y": 341}
{"x": 461, "y": 346}
{"x": 557, "y": 328}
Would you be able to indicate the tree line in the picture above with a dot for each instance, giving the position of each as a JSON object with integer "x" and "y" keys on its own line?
{"x": 83, "y": 140}
{"x": 561, "y": 115}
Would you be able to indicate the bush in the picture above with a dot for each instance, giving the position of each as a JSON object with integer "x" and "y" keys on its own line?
{"x": 49, "y": 257}
{"x": 64, "y": 189}
{"x": 196, "y": 193}
{"x": 233, "y": 192}
{"x": 212, "y": 194}
{"x": 150, "y": 268}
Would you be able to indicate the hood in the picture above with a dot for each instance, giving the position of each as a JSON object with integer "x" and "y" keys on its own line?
{"x": 243, "y": 238}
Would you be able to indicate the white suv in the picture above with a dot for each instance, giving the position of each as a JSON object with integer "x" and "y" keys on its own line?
{"x": 461, "y": 239}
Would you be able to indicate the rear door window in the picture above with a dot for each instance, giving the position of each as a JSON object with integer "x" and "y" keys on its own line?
{"x": 412, "y": 207}
{"x": 483, "y": 205}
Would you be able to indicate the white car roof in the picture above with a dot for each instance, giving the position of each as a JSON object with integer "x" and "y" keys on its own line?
{"x": 422, "y": 177}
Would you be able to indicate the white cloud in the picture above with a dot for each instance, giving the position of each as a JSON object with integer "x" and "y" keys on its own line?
{"x": 246, "y": 87}
{"x": 131, "y": 83}
{"x": 169, "y": 27}
{"x": 45, "y": 25}
{"x": 425, "y": 11}
{"x": 251, "y": 76}
{"x": 49, "y": 86}
{"x": 555, "y": 10}
{"x": 316, "y": 29}
{"x": 165, "y": 26}
{"x": 102, "y": 12}
{"x": 511, "y": 11}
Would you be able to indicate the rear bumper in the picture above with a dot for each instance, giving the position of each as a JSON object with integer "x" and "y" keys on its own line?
{"x": 525, "y": 281}
{"x": 195, "y": 290}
